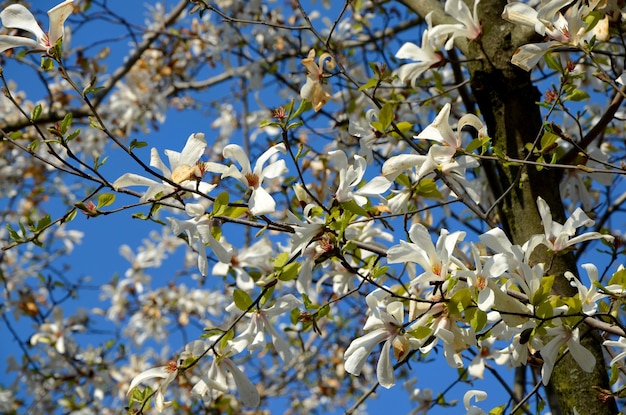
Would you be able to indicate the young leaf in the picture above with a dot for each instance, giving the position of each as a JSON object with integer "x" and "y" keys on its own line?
{"x": 243, "y": 301}
{"x": 105, "y": 199}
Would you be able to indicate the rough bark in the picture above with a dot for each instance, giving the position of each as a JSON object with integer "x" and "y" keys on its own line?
{"x": 507, "y": 100}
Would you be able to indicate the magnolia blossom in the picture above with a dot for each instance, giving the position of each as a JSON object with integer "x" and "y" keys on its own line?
{"x": 315, "y": 90}
{"x": 569, "y": 29}
{"x": 550, "y": 352}
{"x": 468, "y": 26}
{"x": 54, "y": 333}
{"x": 385, "y": 324}
{"x": 482, "y": 279}
{"x": 216, "y": 379}
{"x": 261, "y": 202}
{"x": 478, "y": 396}
{"x": 589, "y": 296}
{"x": 557, "y": 237}
{"x": 185, "y": 170}
{"x": 486, "y": 351}
{"x": 436, "y": 261}
{"x": 305, "y": 229}
{"x": 425, "y": 57}
{"x": 442, "y": 153}
{"x": 350, "y": 175}
{"x": 255, "y": 256}
{"x": 621, "y": 356}
{"x": 168, "y": 372}
{"x": 368, "y": 135}
{"x": 253, "y": 337}
{"x": 18, "y": 17}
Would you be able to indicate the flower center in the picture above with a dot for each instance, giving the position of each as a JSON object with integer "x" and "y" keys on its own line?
{"x": 253, "y": 180}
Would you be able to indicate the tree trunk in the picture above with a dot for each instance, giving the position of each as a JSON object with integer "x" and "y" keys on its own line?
{"x": 507, "y": 101}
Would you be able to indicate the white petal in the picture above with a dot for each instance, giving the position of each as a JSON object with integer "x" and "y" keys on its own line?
{"x": 274, "y": 170}
{"x": 261, "y": 202}
{"x": 193, "y": 150}
{"x": 396, "y": 165}
{"x": 263, "y": 158}
{"x": 358, "y": 351}
{"x": 132, "y": 179}
{"x": 155, "y": 372}
{"x": 528, "y": 56}
{"x": 58, "y": 15}
{"x": 18, "y": 17}
{"x": 8, "y": 42}
{"x": 235, "y": 152}
{"x": 155, "y": 161}
{"x": 375, "y": 187}
{"x": 583, "y": 357}
{"x": 248, "y": 394}
{"x": 384, "y": 369}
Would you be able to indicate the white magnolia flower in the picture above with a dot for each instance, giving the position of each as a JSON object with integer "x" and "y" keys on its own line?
{"x": 478, "y": 396}
{"x": 588, "y": 295}
{"x": 18, "y": 17}
{"x": 569, "y": 29}
{"x": 350, "y": 175}
{"x": 316, "y": 90}
{"x": 385, "y": 324}
{"x": 441, "y": 155}
{"x": 620, "y": 357}
{"x": 168, "y": 372}
{"x": 256, "y": 256}
{"x": 483, "y": 277}
{"x": 185, "y": 170}
{"x": 261, "y": 202}
{"x": 559, "y": 237}
{"x": 425, "y": 57}
{"x": 550, "y": 352}
{"x": 55, "y": 333}
{"x": 436, "y": 261}
{"x": 468, "y": 26}
{"x": 216, "y": 379}
{"x": 253, "y": 337}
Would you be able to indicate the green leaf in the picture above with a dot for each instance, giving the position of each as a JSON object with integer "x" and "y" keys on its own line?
{"x": 13, "y": 234}
{"x": 460, "y": 300}
{"x": 427, "y": 188}
{"x": 421, "y": 332}
{"x": 553, "y": 63}
{"x": 43, "y": 222}
{"x": 94, "y": 123}
{"x": 352, "y": 207}
{"x": 220, "y": 205}
{"x": 369, "y": 84}
{"x": 243, "y": 301}
{"x": 73, "y": 135}
{"x": 136, "y": 144}
{"x": 478, "y": 319}
{"x": 473, "y": 145}
{"x": 304, "y": 106}
{"x": 498, "y": 410}
{"x": 281, "y": 260}
{"x": 66, "y": 123}
{"x": 386, "y": 116}
{"x": 105, "y": 199}
{"x": 577, "y": 95}
{"x": 290, "y": 272}
{"x": 36, "y": 112}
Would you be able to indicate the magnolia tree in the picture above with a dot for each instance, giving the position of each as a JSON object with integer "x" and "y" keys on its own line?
{"x": 350, "y": 193}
